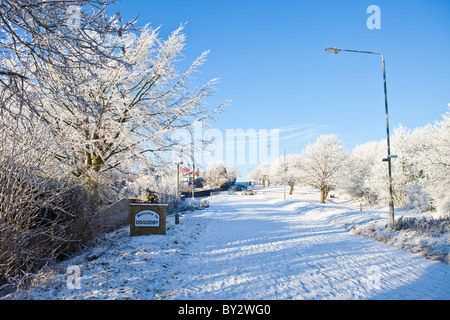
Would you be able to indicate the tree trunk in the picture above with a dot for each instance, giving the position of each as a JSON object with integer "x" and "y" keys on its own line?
{"x": 291, "y": 189}
{"x": 323, "y": 194}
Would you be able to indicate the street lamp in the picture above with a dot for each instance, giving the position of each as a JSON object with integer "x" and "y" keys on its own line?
{"x": 389, "y": 156}
{"x": 177, "y": 213}
{"x": 284, "y": 170}
{"x": 332, "y": 50}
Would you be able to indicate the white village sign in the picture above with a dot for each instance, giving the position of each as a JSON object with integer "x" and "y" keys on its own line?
{"x": 147, "y": 218}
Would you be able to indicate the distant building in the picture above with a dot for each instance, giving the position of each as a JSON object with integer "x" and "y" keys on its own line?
{"x": 186, "y": 177}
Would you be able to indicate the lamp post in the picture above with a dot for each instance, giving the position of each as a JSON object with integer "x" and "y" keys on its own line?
{"x": 284, "y": 170}
{"x": 177, "y": 213}
{"x": 389, "y": 156}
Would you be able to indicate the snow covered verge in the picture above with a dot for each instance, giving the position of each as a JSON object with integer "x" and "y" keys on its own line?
{"x": 416, "y": 234}
{"x": 421, "y": 233}
{"x": 116, "y": 267}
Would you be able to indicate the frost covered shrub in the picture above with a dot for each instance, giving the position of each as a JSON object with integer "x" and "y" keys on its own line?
{"x": 42, "y": 215}
{"x": 30, "y": 231}
{"x": 417, "y": 198}
{"x": 189, "y": 205}
{"x": 424, "y": 225}
{"x": 82, "y": 205}
{"x": 41, "y": 219}
{"x": 444, "y": 209}
{"x": 192, "y": 205}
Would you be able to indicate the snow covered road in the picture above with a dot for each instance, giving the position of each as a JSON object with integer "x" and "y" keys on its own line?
{"x": 264, "y": 248}
{"x": 249, "y": 247}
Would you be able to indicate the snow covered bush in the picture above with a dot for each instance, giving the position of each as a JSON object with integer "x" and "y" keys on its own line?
{"x": 424, "y": 225}
{"x": 436, "y": 158}
{"x": 423, "y": 235}
{"x": 37, "y": 207}
{"x": 371, "y": 171}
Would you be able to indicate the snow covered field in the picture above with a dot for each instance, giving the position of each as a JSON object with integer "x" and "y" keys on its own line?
{"x": 250, "y": 247}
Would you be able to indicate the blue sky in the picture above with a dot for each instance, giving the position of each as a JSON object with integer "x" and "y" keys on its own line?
{"x": 270, "y": 58}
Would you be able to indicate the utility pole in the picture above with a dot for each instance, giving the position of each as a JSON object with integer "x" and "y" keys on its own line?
{"x": 284, "y": 170}
{"x": 284, "y": 173}
{"x": 193, "y": 168}
{"x": 193, "y": 179}
{"x": 177, "y": 213}
{"x": 389, "y": 157}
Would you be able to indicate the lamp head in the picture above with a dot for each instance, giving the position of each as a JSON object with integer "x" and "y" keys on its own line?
{"x": 332, "y": 50}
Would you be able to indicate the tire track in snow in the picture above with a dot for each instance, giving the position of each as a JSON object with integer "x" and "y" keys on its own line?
{"x": 259, "y": 248}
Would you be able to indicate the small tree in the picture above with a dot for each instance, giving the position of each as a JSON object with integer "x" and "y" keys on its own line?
{"x": 220, "y": 176}
{"x": 360, "y": 168}
{"x": 286, "y": 171}
{"x": 321, "y": 162}
{"x": 261, "y": 173}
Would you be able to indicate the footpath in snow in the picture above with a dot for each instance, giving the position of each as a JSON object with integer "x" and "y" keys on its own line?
{"x": 248, "y": 247}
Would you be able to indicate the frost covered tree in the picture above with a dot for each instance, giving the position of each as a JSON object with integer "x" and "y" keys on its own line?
{"x": 321, "y": 163}
{"x": 64, "y": 34}
{"x": 121, "y": 112}
{"x": 148, "y": 183}
{"x": 421, "y": 173}
{"x": 409, "y": 169}
{"x": 440, "y": 161}
{"x": 426, "y": 178}
{"x": 218, "y": 175}
{"x": 363, "y": 175}
{"x": 56, "y": 32}
{"x": 261, "y": 173}
{"x": 286, "y": 170}
{"x": 232, "y": 174}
